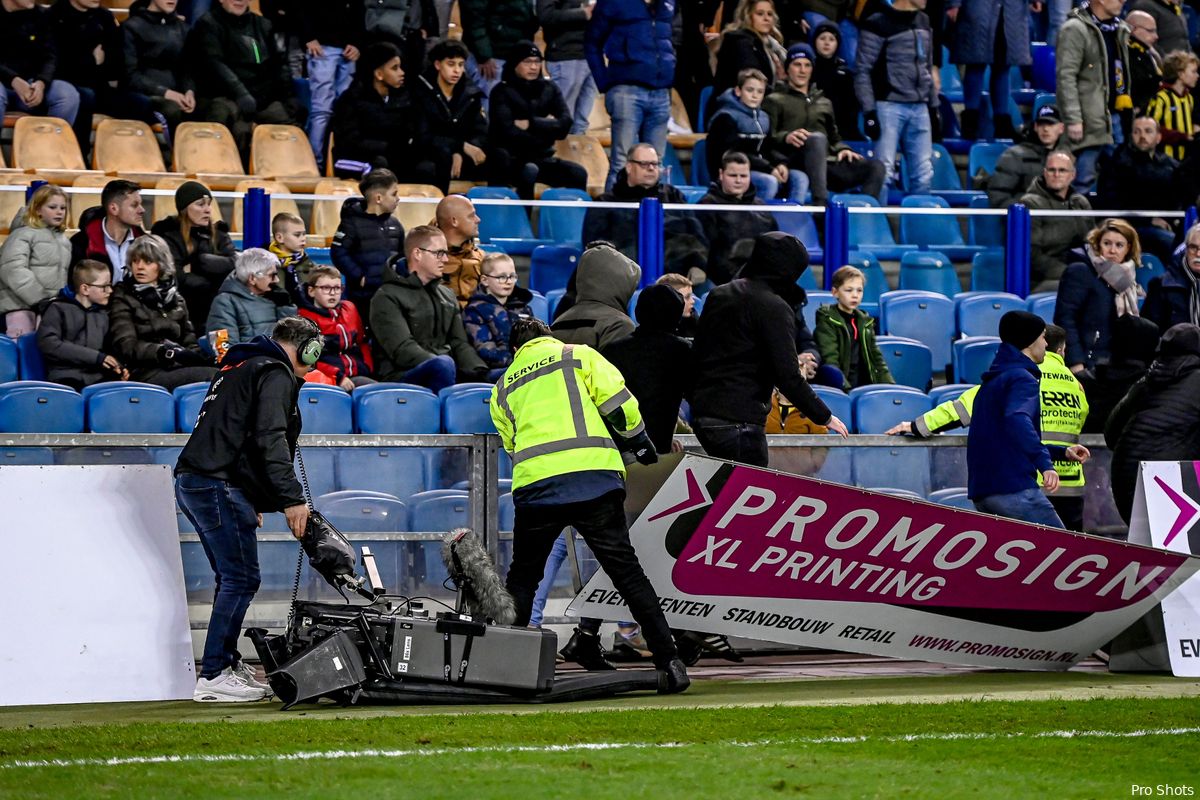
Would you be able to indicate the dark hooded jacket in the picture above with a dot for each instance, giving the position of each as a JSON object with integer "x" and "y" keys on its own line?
{"x": 76, "y": 36}
{"x": 563, "y": 24}
{"x": 538, "y": 101}
{"x": 1129, "y": 178}
{"x": 141, "y": 318}
{"x": 248, "y": 427}
{"x": 731, "y": 234}
{"x": 446, "y": 123}
{"x": 368, "y": 128}
{"x": 240, "y": 58}
{"x": 154, "y": 61}
{"x": 835, "y": 78}
{"x": 1133, "y": 344}
{"x": 1168, "y": 297}
{"x": 362, "y": 247}
{"x": 1019, "y": 166}
{"x": 746, "y": 343}
{"x": 741, "y": 49}
{"x": 1159, "y": 420}
{"x": 604, "y": 283}
{"x": 203, "y": 269}
{"x": 71, "y": 340}
{"x": 491, "y": 27}
{"x": 736, "y": 126}
{"x": 655, "y": 362}
{"x": 632, "y": 42}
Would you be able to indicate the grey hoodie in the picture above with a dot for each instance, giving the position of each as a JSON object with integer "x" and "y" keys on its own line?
{"x": 605, "y": 281}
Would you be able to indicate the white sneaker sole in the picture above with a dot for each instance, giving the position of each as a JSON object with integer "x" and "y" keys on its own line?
{"x": 210, "y": 696}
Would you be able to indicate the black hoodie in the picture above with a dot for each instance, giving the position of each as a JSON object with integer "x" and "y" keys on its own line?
{"x": 76, "y": 36}
{"x": 240, "y": 58}
{"x": 446, "y": 124}
{"x": 746, "y": 343}
{"x": 248, "y": 426}
{"x": 537, "y": 101}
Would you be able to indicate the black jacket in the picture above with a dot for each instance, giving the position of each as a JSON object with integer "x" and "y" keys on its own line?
{"x": 71, "y": 339}
{"x": 563, "y": 24}
{"x": 741, "y": 49}
{"x": 26, "y": 46}
{"x": 1133, "y": 343}
{"x": 686, "y": 245}
{"x": 240, "y": 58}
{"x": 248, "y": 427}
{"x": 154, "y": 54}
{"x": 202, "y": 271}
{"x": 1018, "y": 167}
{"x": 76, "y": 36}
{"x": 1168, "y": 297}
{"x": 141, "y": 318}
{"x": 491, "y": 27}
{"x": 835, "y": 78}
{"x": 362, "y": 246}
{"x": 446, "y": 124}
{"x": 746, "y": 344}
{"x": 1132, "y": 179}
{"x": 334, "y": 23}
{"x": 366, "y": 128}
{"x": 731, "y": 234}
{"x": 540, "y": 103}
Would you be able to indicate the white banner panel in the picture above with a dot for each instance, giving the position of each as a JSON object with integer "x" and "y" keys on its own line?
{"x": 94, "y": 608}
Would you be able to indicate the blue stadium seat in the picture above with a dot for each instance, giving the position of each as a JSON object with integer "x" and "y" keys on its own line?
{"x": 390, "y": 410}
{"x": 983, "y": 158}
{"x": 562, "y": 224}
{"x": 700, "y": 176}
{"x": 871, "y": 232}
{"x": 36, "y": 407}
{"x": 165, "y": 455}
{"x": 439, "y": 511}
{"x": 29, "y": 358}
{"x": 987, "y": 271}
{"x": 360, "y": 512}
{"x": 877, "y": 282}
{"x": 631, "y": 306}
{"x": 934, "y": 231}
{"x": 326, "y": 409}
{"x": 1043, "y": 66}
{"x": 459, "y": 388}
{"x": 807, "y": 281}
{"x": 550, "y": 266}
{"x": 924, "y": 316}
{"x": 949, "y": 391}
{"x": 837, "y": 401}
{"x": 972, "y": 357}
{"x": 701, "y": 125}
{"x": 188, "y": 400}
{"x": 399, "y": 471}
{"x": 539, "y": 306}
{"x": 838, "y": 465}
{"x": 946, "y": 182}
{"x": 505, "y": 225}
{"x": 905, "y": 468}
{"x": 129, "y": 408}
{"x": 33, "y": 456}
{"x": 1149, "y": 269}
{"x": 801, "y": 225}
{"x": 320, "y": 463}
{"x": 9, "y": 360}
{"x": 692, "y": 194}
{"x": 952, "y": 86}
{"x": 929, "y": 271}
{"x": 103, "y": 456}
{"x": 909, "y": 361}
{"x": 1042, "y": 304}
{"x": 552, "y": 298}
{"x": 815, "y": 299}
{"x": 986, "y": 230}
{"x": 955, "y": 497}
{"x": 979, "y": 313}
{"x": 673, "y": 168}
{"x": 880, "y": 406}
{"x": 468, "y": 412}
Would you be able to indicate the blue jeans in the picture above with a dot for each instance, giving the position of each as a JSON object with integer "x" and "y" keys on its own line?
{"x": 1059, "y": 9}
{"x": 905, "y": 125}
{"x": 328, "y": 77}
{"x": 1028, "y": 505}
{"x": 798, "y": 184}
{"x": 557, "y": 556}
{"x": 228, "y": 528}
{"x": 638, "y": 115}
{"x": 574, "y": 79}
{"x": 62, "y": 101}
{"x": 1085, "y": 159}
{"x": 766, "y": 185}
{"x": 435, "y": 373}
{"x": 483, "y": 83}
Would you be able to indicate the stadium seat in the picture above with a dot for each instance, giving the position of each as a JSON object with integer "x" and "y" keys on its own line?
{"x": 26, "y": 456}
{"x": 905, "y": 494}
{"x": 39, "y": 408}
{"x": 954, "y": 498}
{"x": 988, "y": 271}
{"x": 909, "y": 361}
{"x": 552, "y": 298}
{"x": 29, "y": 358}
{"x": 81, "y": 199}
{"x": 357, "y": 512}
{"x": 801, "y": 225}
{"x": 1042, "y": 304}
{"x": 126, "y": 146}
{"x": 673, "y": 168}
{"x": 284, "y": 153}
{"x": 326, "y": 409}
{"x": 807, "y": 281}
{"x": 877, "y": 282}
{"x": 327, "y": 214}
{"x": 104, "y": 456}
{"x": 700, "y": 176}
{"x": 924, "y": 316}
{"x": 986, "y": 230}
{"x": 551, "y": 266}
{"x": 12, "y": 201}
{"x": 45, "y": 143}
{"x": 946, "y": 182}
{"x": 540, "y": 306}
{"x": 880, "y": 406}
{"x": 692, "y": 194}
{"x": 9, "y": 360}
{"x": 949, "y": 391}
{"x": 815, "y": 300}
{"x": 320, "y": 464}
{"x": 979, "y": 313}
{"x": 972, "y": 357}
{"x": 165, "y": 455}
{"x": 459, "y": 388}
{"x": 701, "y": 125}
{"x": 164, "y": 204}
{"x": 952, "y": 87}
{"x": 837, "y": 401}
{"x": 904, "y": 468}
{"x": 400, "y": 471}
{"x": 505, "y": 225}
{"x": 871, "y": 233}
{"x": 127, "y": 407}
{"x": 588, "y": 152}
{"x": 391, "y": 410}
{"x": 206, "y": 148}
{"x": 413, "y": 214}
{"x": 559, "y": 223}
{"x": 1043, "y": 66}
{"x": 934, "y": 231}
{"x": 983, "y": 158}
{"x": 468, "y": 412}
{"x": 439, "y": 511}
{"x": 929, "y": 271}
{"x": 1150, "y": 269}
{"x": 278, "y": 204}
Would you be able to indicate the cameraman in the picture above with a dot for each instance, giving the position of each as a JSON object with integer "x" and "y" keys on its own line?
{"x": 236, "y": 466}
{"x": 554, "y": 408}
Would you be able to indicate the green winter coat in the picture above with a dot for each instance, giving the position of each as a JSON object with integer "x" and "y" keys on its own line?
{"x": 492, "y": 27}
{"x": 789, "y": 109}
{"x": 833, "y": 342}
{"x": 1082, "y": 77}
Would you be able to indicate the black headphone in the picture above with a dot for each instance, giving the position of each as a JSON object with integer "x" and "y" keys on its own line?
{"x": 309, "y": 351}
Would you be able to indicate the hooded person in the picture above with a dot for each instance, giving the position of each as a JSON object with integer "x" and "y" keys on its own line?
{"x": 745, "y": 347}
{"x": 1159, "y": 419}
{"x": 835, "y": 78}
{"x": 528, "y": 114}
{"x": 1005, "y": 452}
{"x": 1134, "y": 340}
{"x": 604, "y": 283}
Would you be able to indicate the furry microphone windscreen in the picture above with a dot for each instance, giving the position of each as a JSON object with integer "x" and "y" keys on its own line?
{"x": 473, "y": 572}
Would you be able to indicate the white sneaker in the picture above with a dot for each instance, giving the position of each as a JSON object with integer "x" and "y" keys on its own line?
{"x": 249, "y": 676}
{"x": 226, "y": 688}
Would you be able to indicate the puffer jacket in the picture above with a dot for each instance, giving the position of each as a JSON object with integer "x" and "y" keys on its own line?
{"x": 244, "y": 314}
{"x": 492, "y": 27}
{"x": 741, "y": 49}
{"x": 346, "y": 352}
{"x": 141, "y": 318}
{"x": 563, "y": 24}
{"x": 445, "y": 124}
{"x": 835, "y": 78}
{"x": 736, "y": 126}
{"x": 537, "y": 101}
{"x": 834, "y": 341}
{"x": 33, "y": 267}
{"x": 895, "y": 59}
{"x": 604, "y": 282}
{"x": 241, "y": 58}
{"x": 201, "y": 271}
{"x": 1081, "y": 77}
{"x": 632, "y": 42}
{"x": 154, "y": 43}
{"x": 362, "y": 246}
{"x": 462, "y": 269}
{"x": 71, "y": 340}
{"x": 489, "y": 323}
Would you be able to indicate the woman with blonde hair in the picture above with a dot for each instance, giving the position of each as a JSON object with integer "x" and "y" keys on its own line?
{"x": 1099, "y": 285}
{"x": 751, "y": 41}
{"x": 34, "y": 261}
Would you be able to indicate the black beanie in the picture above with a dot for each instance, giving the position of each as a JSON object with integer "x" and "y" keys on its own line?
{"x": 189, "y": 192}
{"x": 1021, "y": 328}
{"x": 1180, "y": 340}
{"x": 522, "y": 50}
{"x": 659, "y": 308}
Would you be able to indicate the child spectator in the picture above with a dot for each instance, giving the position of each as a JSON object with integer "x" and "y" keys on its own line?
{"x": 845, "y": 334}
{"x": 346, "y": 359}
{"x": 251, "y": 300}
{"x": 496, "y": 303}
{"x": 154, "y": 38}
{"x": 368, "y": 235}
{"x": 680, "y": 283}
{"x": 201, "y": 248}
{"x": 288, "y": 238}
{"x": 74, "y": 328}
{"x": 835, "y": 78}
{"x": 149, "y": 330}
{"x": 453, "y": 128}
{"x": 740, "y": 124}
{"x": 34, "y": 261}
{"x": 1172, "y": 108}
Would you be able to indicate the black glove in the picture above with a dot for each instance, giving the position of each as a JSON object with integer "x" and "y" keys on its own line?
{"x": 279, "y": 296}
{"x": 935, "y": 123}
{"x": 642, "y": 449}
{"x": 172, "y": 355}
{"x": 871, "y": 125}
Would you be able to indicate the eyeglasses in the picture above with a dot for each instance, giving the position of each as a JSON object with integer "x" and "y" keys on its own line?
{"x": 508, "y": 278}
{"x": 329, "y": 289}
{"x": 646, "y": 164}
{"x": 272, "y": 275}
{"x": 107, "y": 286}
{"x": 438, "y": 254}
{"x": 1193, "y": 248}
{"x": 1059, "y": 170}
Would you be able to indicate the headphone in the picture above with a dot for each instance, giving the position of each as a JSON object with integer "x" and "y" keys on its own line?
{"x": 309, "y": 351}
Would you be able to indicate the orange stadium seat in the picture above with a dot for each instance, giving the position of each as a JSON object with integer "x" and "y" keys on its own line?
{"x": 413, "y": 214}
{"x": 164, "y": 204}
{"x": 283, "y": 152}
{"x": 208, "y": 149}
{"x": 82, "y": 201}
{"x": 124, "y": 146}
{"x": 587, "y": 152}
{"x": 277, "y": 204}
{"x": 326, "y": 214}
{"x": 46, "y": 143}
{"x": 12, "y": 202}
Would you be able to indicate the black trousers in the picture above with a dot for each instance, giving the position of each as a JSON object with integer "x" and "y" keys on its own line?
{"x": 521, "y": 173}
{"x": 742, "y": 442}
{"x": 601, "y": 522}
{"x": 1070, "y": 511}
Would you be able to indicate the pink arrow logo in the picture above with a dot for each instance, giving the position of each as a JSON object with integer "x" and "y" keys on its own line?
{"x": 696, "y": 497}
{"x": 1187, "y": 510}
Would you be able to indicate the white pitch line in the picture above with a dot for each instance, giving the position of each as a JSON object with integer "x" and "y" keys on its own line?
{"x": 335, "y": 755}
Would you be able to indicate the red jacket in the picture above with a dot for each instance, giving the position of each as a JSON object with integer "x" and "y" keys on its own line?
{"x": 347, "y": 353}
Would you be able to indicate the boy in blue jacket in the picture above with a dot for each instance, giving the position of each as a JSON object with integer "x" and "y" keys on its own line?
{"x": 1004, "y": 446}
